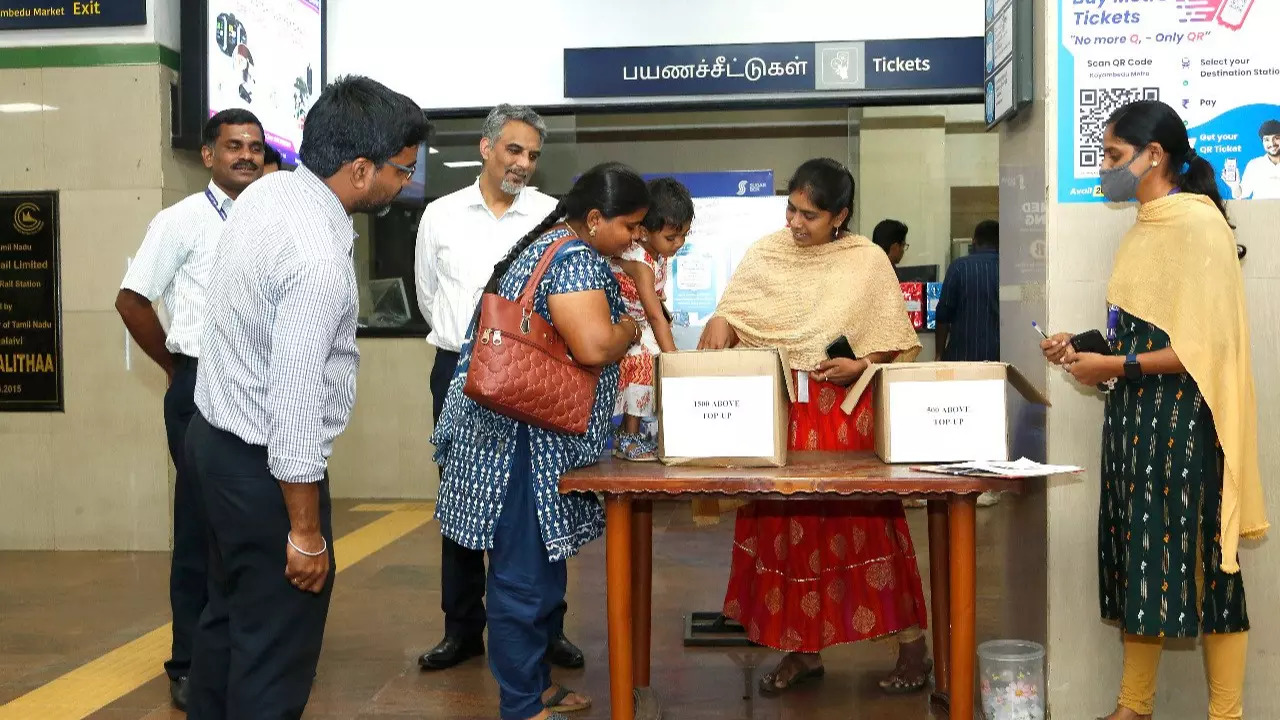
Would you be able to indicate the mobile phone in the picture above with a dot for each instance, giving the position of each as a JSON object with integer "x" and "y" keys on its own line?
{"x": 841, "y": 349}
{"x": 1091, "y": 341}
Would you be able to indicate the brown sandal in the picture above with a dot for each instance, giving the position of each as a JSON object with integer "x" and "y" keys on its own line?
{"x": 555, "y": 702}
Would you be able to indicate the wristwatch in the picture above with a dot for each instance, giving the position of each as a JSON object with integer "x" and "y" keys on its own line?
{"x": 1132, "y": 368}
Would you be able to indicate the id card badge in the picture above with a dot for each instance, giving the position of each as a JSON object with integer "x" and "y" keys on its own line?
{"x": 802, "y": 386}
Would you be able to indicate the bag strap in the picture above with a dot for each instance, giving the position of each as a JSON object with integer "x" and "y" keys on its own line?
{"x": 540, "y": 270}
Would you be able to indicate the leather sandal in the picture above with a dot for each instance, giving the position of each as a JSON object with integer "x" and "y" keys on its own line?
{"x": 555, "y": 703}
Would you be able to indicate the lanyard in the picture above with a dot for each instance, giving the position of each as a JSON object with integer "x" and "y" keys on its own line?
{"x": 214, "y": 202}
{"x": 1113, "y": 320}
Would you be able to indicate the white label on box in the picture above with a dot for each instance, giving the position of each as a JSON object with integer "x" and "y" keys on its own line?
{"x": 947, "y": 421}
{"x": 730, "y": 417}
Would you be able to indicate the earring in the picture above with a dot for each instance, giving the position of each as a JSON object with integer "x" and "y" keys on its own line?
{"x": 835, "y": 232}
{"x": 1155, "y": 163}
{"x": 593, "y": 231}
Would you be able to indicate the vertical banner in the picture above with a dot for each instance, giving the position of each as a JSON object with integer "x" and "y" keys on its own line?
{"x": 731, "y": 211}
{"x": 30, "y": 303}
{"x": 1215, "y": 62}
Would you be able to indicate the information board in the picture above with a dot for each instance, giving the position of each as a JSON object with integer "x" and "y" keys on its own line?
{"x": 30, "y": 303}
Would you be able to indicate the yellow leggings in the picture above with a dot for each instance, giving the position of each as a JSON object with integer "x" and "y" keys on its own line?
{"x": 1224, "y": 659}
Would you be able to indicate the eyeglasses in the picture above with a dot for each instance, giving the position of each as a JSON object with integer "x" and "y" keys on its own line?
{"x": 408, "y": 170}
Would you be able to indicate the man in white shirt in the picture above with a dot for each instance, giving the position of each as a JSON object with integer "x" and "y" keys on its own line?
{"x": 461, "y": 237}
{"x": 173, "y": 264}
{"x": 276, "y": 385}
{"x": 1261, "y": 179}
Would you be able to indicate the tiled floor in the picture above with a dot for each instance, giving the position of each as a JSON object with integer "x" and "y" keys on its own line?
{"x": 61, "y": 610}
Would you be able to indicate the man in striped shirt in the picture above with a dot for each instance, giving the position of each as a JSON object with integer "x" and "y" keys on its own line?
{"x": 969, "y": 309}
{"x": 173, "y": 265}
{"x": 276, "y": 386}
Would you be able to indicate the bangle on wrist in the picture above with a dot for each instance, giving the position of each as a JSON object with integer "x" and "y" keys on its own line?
{"x": 317, "y": 553}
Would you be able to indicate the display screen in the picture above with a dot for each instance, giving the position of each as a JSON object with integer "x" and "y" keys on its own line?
{"x": 266, "y": 56}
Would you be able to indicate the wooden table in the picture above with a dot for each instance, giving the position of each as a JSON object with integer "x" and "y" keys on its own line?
{"x": 630, "y": 488}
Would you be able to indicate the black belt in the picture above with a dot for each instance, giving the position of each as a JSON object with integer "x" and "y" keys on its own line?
{"x": 181, "y": 361}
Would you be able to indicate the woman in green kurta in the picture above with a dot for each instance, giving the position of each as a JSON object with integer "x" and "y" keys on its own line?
{"x": 1158, "y": 525}
{"x": 1180, "y": 480}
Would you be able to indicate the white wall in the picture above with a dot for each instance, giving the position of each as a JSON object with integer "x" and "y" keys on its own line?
{"x": 161, "y": 27}
{"x": 510, "y": 51}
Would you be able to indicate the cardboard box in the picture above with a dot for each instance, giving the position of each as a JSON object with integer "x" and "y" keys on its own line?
{"x": 726, "y": 408}
{"x": 941, "y": 412}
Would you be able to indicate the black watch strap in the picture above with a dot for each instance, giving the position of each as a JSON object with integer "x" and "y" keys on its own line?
{"x": 1132, "y": 369}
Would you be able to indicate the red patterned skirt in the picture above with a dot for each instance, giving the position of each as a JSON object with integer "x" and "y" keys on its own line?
{"x": 810, "y": 574}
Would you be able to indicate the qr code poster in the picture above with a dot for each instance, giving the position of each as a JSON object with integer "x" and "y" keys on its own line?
{"x": 1215, "y": 62}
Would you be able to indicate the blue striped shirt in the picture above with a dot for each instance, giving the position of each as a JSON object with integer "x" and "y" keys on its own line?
{"x": 970, "y": 305}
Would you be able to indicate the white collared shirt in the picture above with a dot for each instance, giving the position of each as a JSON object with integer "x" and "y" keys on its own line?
{"x": 173, "y": 264}
{"x": 459, "y": 242}
{"x": 1261, "y": 180}
{"x": 280, "y": 355}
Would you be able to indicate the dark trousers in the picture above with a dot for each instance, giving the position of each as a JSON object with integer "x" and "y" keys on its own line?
{"x": 189, "y": 568}
{"x": 259, "y": 639}
{"x": 462, "y": 574}
{"x": 526, "y": 592}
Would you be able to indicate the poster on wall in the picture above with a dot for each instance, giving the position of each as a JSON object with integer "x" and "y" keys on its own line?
{"x": 30, "y": 303}
{"x": 267, "y": 58}
{"x": 1214, "y": 61}
{"x": 732, "y": 210}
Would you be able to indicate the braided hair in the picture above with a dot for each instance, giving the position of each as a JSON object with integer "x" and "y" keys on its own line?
{"x": 1144, "y": 122}
{"x": 611, "y": 188}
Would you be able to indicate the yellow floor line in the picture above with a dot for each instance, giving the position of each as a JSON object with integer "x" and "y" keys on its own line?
{"x": 426, "y": 506}
{"x": 102, "y": 681}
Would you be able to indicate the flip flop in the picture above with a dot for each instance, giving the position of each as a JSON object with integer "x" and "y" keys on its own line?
{"x": 769, "y": 683}
{"x": 553, "y": 703}
{"x": 897, "y": 685}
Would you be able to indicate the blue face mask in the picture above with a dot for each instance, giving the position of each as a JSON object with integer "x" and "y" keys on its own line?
{"x": 1119, "y": 184}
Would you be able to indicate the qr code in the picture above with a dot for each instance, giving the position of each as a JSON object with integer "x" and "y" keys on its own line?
{"x": 1094, "y": 107}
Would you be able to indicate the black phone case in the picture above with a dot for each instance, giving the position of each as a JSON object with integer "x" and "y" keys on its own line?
{"x": 1091, "y": 342}
{"x": 841, "y": 349}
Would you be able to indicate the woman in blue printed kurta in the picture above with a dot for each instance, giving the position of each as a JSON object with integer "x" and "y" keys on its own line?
{"x": 499, "y": 477}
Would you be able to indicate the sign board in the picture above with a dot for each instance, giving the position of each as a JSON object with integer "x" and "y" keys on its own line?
{"x": 30, "y": 303}
{"x": 861, "y": 67}
{"x": 1215, "y": 62}
{"x": 55, "y": 14}
{"x": 741, "y": 183}
{"x": 1008, "y": 79}
{"x": 719, "y": 416}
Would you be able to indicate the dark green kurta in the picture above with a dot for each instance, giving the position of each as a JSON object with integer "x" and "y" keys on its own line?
{"x": 1161, "y": 495}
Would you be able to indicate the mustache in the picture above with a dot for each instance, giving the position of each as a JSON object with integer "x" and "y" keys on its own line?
{"x": 245, "y": 165}
{"x": 518, "y": 173}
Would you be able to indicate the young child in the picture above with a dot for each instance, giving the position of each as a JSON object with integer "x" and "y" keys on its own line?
{"x": 642, "y": 274}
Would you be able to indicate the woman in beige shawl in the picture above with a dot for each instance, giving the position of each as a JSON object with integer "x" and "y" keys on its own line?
{"x": 1180, "y": 482}
{"x": 810, "y": 574}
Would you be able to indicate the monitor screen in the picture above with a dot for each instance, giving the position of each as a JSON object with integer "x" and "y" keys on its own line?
{"x": 267, "y": 58}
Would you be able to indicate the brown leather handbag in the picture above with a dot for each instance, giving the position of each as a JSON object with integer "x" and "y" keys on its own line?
{"x": 521, "y": 367}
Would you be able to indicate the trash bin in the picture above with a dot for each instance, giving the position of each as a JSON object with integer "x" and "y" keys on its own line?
{"x": 1011, "y": 675}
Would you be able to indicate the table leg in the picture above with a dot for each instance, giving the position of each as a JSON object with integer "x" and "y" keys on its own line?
{"x": 618, "y": 553}
{"x": 940, "y": 600}
{"x": 963, "y": 570}
{"x": 641, "y": 588}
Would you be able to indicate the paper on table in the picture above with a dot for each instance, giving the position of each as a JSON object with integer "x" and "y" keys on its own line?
{"x": 952, "y": 420}
{"x": 1022, "y": 468}
{"x": 728, "y": 417}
